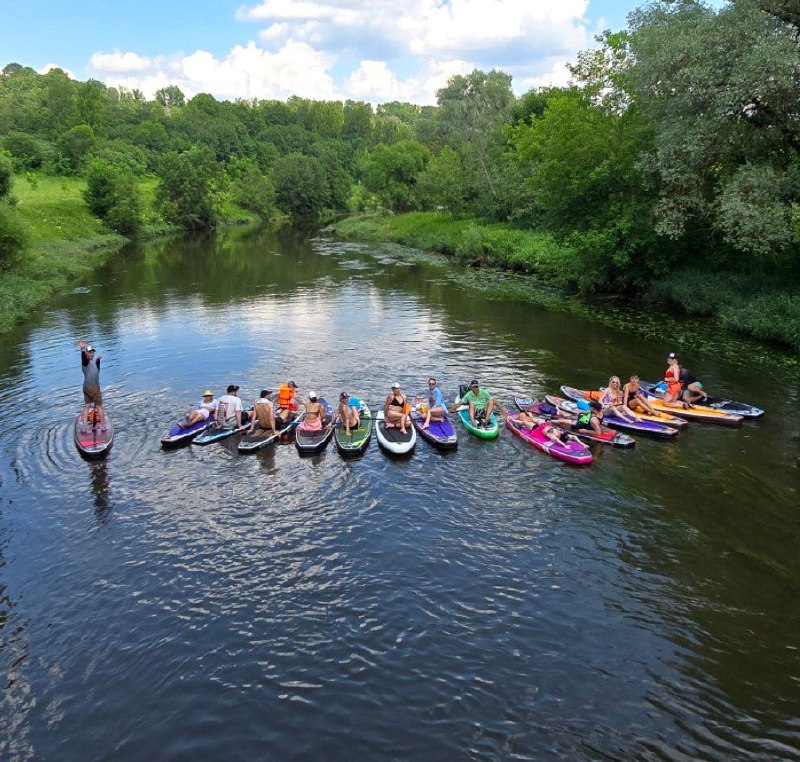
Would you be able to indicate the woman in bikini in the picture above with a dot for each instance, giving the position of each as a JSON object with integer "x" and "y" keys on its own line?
{"x": 673, "y": 380}
{"x": 634, "y": 399}
{"x": 612, "y": 401}
{"x": 395, "y": 409}
{"x": 312, "y": 420}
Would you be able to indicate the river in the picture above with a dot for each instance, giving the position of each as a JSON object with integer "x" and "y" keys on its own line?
{"x": 490, "y": 603}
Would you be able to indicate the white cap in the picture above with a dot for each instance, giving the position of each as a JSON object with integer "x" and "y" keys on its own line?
{"x": 89, "y": 348}
{"x": 396, "y": 385}
{"x": 312, "y": 395}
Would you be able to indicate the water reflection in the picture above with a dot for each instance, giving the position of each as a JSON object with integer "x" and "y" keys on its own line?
{"x": 487, "y": 602}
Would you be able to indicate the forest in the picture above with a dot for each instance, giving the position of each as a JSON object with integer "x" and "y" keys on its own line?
{"x": 668, "y": 169}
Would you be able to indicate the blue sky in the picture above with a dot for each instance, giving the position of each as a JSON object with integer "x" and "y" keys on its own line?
{"x": 375, "y": 50}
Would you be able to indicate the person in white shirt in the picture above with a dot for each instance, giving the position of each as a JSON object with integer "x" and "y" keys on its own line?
{"x": 205, "y": 408}
{"x": 229, "y": 409}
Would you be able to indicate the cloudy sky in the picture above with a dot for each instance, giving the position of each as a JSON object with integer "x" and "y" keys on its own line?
{"x": 372, "y": 50}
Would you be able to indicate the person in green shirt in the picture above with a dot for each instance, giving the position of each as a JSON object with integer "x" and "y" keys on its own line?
{"x": 480, "y": 402}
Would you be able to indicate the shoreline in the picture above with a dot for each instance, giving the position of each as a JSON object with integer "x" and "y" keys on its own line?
{"x": 760, "y": 313}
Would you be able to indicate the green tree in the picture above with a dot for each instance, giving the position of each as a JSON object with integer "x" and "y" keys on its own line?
{"x": 112, "y": 195}
{"x": 300, "y": 185}
{"x": 474, "y": 109}
{"x": 27, "y": 151}
{"x": 443, "y": 183}
{"x": 75, "y": 145}
{"x": 186, "y": 194}
{"x": 391, "y": 173}
{"x": 170, "y": 98}
{"x": 721, "y": 91}
{"x": 12, "y": 233}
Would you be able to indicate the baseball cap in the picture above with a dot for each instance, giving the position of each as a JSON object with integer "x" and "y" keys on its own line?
{"x": 89, "y": 348}
{"x": 395, "y": 385}
{"x": 671, "y": 356}
{"x": 474, "y": 382}
{"x": 312, "y": 395}
{"x": 344, "y": 395}
{"x": 293, "y": 384}
{"x": 233, "y": 388}
{"x": 265, "y": 392}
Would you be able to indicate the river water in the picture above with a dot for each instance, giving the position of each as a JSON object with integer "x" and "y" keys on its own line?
{"x": 489, "y": 603}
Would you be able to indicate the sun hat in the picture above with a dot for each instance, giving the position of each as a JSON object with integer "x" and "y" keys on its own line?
{"x": 208, "y": 393}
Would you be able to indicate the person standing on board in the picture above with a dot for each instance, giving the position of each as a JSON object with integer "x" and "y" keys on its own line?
{"x": 229, "y": 409}
{"x": 90, "y": 365}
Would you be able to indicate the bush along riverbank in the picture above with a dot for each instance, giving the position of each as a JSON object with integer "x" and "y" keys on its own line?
{"x": 756, "y": 304}
{"x": 61, "y": 240}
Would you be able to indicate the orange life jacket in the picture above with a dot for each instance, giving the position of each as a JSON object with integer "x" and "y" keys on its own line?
{"x": 285, "y": 395}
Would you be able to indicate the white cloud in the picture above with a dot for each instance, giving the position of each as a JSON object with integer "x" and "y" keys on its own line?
{"x": 118, "y": 62}
{"x": 246, "y": 72}
{"x": 51, "y": 66}
{"x": 557, "y": 76}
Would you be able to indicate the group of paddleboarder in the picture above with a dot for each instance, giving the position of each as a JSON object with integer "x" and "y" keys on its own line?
{"x": 271, "y": 413}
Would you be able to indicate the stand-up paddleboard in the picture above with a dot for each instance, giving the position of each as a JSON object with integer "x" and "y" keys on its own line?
{"x": 178, "y": 435}
{"x": 569, "y": 451}
{"x": 489, "y": 429}
{"x": 606, "y": 436}
{"x": 391, "y": 439}
{"x": 650, "y": 428}
{"x": 92, "y": 438}
{"x": 261, "y": 438}
{"x": 664, "y": 418}
{"x": 440, "y": 434}
{"x": 357, "y": 441}
{"x": 715, "y": 403}
{"x": 314, "y": 441}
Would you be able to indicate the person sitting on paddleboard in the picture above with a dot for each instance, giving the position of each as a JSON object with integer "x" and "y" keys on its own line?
{"x": 396, "y": 409}
{"x": 634, "y": 398}
{"x": 205, "y": 408}
{"x": 612, "y": 401}
{"x": 348, "y": 412}
{"x": 90, "y": 365}
{"x": 314, "y": 414}
{"x": 432, "y": 405}
{"x": 287, "y": 399}
{"x": 672, "y": 378}
{"x": 590, "y": 417}
{"x": 229, "y": 409}
{"x": 692, "y": 387}
{"x": 480, "y": 402}
{"x": 263, "y": 414}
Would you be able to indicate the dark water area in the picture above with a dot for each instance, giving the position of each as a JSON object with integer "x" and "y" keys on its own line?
{"x": 490, "y": 603}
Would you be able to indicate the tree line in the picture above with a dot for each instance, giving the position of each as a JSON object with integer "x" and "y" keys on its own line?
{"x": 675, "y": 146}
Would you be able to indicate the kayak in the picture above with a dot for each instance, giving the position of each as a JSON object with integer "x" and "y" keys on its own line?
{"x": 665, "y": 419}
{"x": 178, "y": 435}
{"x": 250, "y": 443}
{"x": 616, "y": 421}
{"x": 716, "y": 403}
{"x": 570, "y": 451}
{"x": 357, "y": 441}
{"x": 314, "y": 441}
{"x": 93, "y": 439}
{"x": 606, "y": 435}
{"x": 391, "y": 439}
{"x": 440, "y": 434}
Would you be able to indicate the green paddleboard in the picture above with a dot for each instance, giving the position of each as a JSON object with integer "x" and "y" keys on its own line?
{"x": 357, "y": 440}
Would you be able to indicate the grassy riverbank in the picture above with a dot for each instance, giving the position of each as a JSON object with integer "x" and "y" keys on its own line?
{"x": 756, "y": 304}
{"x": 65, "y": 241}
